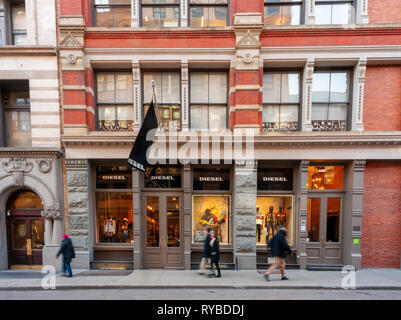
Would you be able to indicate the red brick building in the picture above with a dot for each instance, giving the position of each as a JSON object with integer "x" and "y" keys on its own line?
{"x": 317, "y": 82}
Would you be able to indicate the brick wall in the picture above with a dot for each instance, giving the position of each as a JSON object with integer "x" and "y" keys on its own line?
{"x": 382, "y": 100}
{"x": 384, "y": 11}
{"x": 381, "y": 222}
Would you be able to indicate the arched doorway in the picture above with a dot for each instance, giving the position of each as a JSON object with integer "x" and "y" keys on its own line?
{"x": 25, "y": 230}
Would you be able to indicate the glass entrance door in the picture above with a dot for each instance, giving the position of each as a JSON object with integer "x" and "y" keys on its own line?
{"x": 162, "y": 236}
{"x": 324, "y": 229}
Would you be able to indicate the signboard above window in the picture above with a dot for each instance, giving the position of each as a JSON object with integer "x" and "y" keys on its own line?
{"x": 114, "y": 177}
{"x": 163, "y": 177}
{"x": 275, "y": 179}
{"x": 211, "y": 179}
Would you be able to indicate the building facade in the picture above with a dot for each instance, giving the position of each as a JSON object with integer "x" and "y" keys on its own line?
{"x": 310, "y": 87}
{"x": 31, "y": 193}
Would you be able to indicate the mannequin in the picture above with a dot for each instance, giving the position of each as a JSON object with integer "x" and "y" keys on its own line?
{"x": 281, "y": 218}
{"x": 109, "y": 228}
{"x": 259, "y": 223}
{"x": 270, "y": 223}
{"x": 125, "y": 232}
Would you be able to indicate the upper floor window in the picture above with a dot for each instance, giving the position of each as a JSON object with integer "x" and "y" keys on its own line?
{"x": 208, "y": 100}
{"x": 208, "y": 13}
{"x": 334, "y": 11}
{"x": 114, "y": 101}
{"x": 281, "y": 101}
{"x": 16, "y": 112}
{"x": 160, "y": 13}
{"x": 283, "y": 12}
{"x": 18, "y": 22}
{"x": 330, "y": 100}
{"x": 113, "y": 13}
{"x": 168, "y": 96}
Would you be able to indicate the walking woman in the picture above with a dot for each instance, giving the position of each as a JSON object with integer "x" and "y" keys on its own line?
{"x": 68, "y": 252}
{"x": 214, "y": 254}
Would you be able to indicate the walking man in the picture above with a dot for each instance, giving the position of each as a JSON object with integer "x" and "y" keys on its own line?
{"x": 279, "y": 248}
{"x": 68, "y": 252}
{"x": 206, "y": 253}
{"x": 214, "y": 255}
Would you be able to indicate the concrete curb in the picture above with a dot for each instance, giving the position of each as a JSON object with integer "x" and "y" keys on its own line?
{"x": 122, "y": 287}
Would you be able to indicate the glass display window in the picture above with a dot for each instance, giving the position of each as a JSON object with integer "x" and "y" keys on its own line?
{"x": 325, "y": 177}
{"x": 211, "y": 211}
{"x": 114, "y": 217}
{"x": 273, "y": 213}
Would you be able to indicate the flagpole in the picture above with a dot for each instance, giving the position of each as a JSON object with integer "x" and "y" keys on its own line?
{"x": 156, "y": 105}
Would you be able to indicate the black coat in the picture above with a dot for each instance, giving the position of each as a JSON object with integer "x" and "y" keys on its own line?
{"x": 67, "y": 250}
{"x": 215, "y": 250}
{"x": 206, "y": 247}
{"x": 279, "y": 245}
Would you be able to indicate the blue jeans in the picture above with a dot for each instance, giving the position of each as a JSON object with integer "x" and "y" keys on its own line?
{"x": 67, "y": 267}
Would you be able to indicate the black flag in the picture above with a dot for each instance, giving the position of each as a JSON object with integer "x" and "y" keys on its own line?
{"x": 143, "y": 141}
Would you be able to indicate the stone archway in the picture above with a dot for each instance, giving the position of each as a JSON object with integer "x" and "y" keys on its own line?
{"x": 19, "y": 173}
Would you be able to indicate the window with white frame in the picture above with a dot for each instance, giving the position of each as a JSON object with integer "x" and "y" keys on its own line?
{"x": 330, "y": 100}
{"x": 112, "y": 13}
{"x": 208, "y": 109}
{"x": 283, "y": 12}
{"x": 160, "y": 13}
{"x": 168, "y": 96}
{"x": 334, "y": 11}
{"x": 281, "y": 101}
{"x": 114, "y": 101}
{"x": 208, "y": 13}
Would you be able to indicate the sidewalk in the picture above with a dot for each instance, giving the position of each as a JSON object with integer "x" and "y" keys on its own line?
{"x": 373, "y": 279}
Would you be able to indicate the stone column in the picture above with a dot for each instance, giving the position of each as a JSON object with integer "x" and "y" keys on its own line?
{"x": 309, "y": 11}
{"x": 78, "y": 210}
{"x": 53, "y": 232}
{"x": 187, "y": 201}
{"x": 352, "y": 214}
{"x": 184, "y": 13}
{"x": 358, "y": 93}
{"x": 3, "y": 33}
{"x": 31, "y": 22}
{"x": 307, "y": 95}
{"x": 244, "y": 214}
{"x": 136, "y": 78}
{"x": 137, "y": 179}
{"x": 184, "y": 94}
{"x": 303, "y": 207}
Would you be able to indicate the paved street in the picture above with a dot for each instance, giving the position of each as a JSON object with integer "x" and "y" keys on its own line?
{"x": 203, "y": 294}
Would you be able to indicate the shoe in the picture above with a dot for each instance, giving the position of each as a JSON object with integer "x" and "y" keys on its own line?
{"x": 211, "y": 275}
{"x": 218, "y": 276}
{"x": 284, "y": 278}
{"x": 266, "y": 277}
{"x": 69, "y": 276}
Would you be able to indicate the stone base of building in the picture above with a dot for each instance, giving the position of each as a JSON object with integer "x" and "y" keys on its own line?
{"x": 81, "y": 261}
{"x": 3, "y": 257}
{"x": 49, "y": 257}
{"x": 247, "y": 262}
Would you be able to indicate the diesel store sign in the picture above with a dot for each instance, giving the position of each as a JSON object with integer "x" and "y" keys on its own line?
{"x": 211, "y": 178}
{"x": 163, "y": 177}
{"x": 275, "y": 179}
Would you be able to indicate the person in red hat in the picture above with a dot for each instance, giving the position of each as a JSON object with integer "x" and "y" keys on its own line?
{"x": 68, "y": 252}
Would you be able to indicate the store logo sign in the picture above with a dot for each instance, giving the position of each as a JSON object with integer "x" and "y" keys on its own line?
{"x": 275, "y": 179}
{"x": 212, "y": 179}
{"x": 162, "y": 178}
{"x": 114, "y": 178}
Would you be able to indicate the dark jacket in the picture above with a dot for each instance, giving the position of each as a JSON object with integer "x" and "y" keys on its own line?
{"x": 67, "y": 250}
{"x": 215, "y": 250}
{"x": 206, "y": 247}
{"x": 279, "y": 245}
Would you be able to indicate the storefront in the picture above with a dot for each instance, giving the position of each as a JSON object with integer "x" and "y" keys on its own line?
{"x": 275, "y": 206}
{"x": 211, "y": 208}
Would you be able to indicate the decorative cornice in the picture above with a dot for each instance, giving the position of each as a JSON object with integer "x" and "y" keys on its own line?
{"x": 30, "y": 153}
{"x": 28, "y": 50}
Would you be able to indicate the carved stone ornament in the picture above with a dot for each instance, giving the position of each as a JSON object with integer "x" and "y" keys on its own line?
{"x": 18, "y": 167}
{"x": 52, "y": 213}
{"x": 70, "y": 41}
{"x": 248, "y": 40}
{"x": 71, "y": 58}
{"x": 247, "y": 58}
{"x": 44, "y": 165}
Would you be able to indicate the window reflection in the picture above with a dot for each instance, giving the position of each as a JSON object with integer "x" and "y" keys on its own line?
{"x": 152, "y": 221}
{"x": 333, "y": 219}
{"x": 325, "y": 177}
{"x": 313, "y": 219}
{"x": 173, "y": 222}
